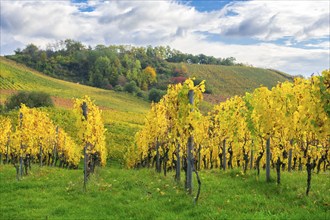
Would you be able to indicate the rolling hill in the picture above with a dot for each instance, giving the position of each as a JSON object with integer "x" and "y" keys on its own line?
{"x": 123, "y": 114}
{"x": 16, "y": 76}
{"x": 226, "y": 81}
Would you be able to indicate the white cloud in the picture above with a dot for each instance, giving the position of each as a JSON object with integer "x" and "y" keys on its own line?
{"x": 267, "y": 55}
{"x": 182, "y": 27}
{"x": 323, "y": 45}
{"x": 271, "y": 20}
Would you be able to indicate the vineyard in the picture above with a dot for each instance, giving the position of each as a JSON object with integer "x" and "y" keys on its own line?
{"x": 37, "y": 140}
{"x": 286, "y": 128}
{"x": 87, "y": 156}
{"x": 235, "y": 80}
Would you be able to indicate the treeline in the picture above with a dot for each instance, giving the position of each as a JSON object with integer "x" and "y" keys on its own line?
{"x": 112, "y": 67}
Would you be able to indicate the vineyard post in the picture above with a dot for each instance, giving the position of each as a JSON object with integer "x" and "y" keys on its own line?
{"x": 20, "y": 157}
{"x": 224, "y": 154}
{"x": 40, "y": 151}
{"x": 158, "y": 168}
{"x": 84, "y": 109}
{"x": 178, "y": 167}
{"x": 268, "y": 160}
{"x": 251, "y": 159}
{"x": 7, "y": 155}
{"x": 55, "y": 147}
{"x": 190, "y": 149}
{"x": 309, "y": 168}
{"x": 290, "y": 157}
{"x": 85, "y": 167}
{"x": 199, "y": 158}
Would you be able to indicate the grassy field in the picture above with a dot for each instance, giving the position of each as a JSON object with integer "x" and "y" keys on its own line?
{"x": 117, "y": 193}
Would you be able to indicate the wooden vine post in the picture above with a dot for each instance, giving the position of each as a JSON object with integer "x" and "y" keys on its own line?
{"x": 224, "y": 154}
{"x": 190, "y": 149}
{"x": 7, "y": 154}
{"x": 290, "y": 156}
{"x": 55, "y": 147}
{"x": 178, "y": 167}
{"x": 268, "y": 160}
{"x": 251, "y": 157}
{"x": 40, "y": 152}
{"x": 85, "y": 110}
{"x": 21, "y": 146}
{"x": 158, "y": 168}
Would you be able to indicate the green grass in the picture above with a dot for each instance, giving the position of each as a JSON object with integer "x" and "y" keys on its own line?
{"x": 117, "y": 193}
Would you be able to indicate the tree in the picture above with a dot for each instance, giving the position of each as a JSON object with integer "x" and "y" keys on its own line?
{"x": 73, "y": 46}
{"x": 149, "y": 76}
{"x": 155, "y": 94}
{"x": 100, "y": 71}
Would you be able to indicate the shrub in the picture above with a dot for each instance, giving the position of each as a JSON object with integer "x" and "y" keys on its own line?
{"x": 131, "y": 87}
{"x": 118, "y": 88}
{"x": 155, "y": 95}
{"x": 108, "y": 86}
{"x": 140, "y": 93}
{"x": 30, "y": 99}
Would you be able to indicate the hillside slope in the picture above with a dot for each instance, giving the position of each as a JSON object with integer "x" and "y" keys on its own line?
{"x": 225, "y": 81}
{"x": 14, "y": 76}
{"x": 123, "y": 114}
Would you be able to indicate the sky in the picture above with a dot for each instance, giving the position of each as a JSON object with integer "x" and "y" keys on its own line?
{"x": 292, "y": 36}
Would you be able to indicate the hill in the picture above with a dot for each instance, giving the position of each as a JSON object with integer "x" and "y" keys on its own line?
{"x": 117, "y": 66}
{"x": 123, "y": 113}
{"x": 226, "y": 81}
{"x": 16, "y": 76}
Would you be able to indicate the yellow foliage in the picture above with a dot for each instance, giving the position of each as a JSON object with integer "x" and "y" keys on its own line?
{"x": 92, "y": 131}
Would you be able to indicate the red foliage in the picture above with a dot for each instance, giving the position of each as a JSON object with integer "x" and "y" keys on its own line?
{"x": 108, "y": 86}
{"x": 178, "y": 79}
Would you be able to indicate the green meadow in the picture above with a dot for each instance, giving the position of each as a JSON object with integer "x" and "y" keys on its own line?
{"x": 114, "y": 192}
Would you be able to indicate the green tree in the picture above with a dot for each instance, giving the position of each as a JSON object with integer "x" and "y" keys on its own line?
{"x": 73, "y": 46}
{"x": 155, "y": 95}
{"x": 105, "y": 71}
{"x": 100, "y": 71}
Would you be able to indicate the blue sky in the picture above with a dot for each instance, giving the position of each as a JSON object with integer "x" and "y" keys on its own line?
{"x": 207, "y": 5}
{"x": 291, "y": 36}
